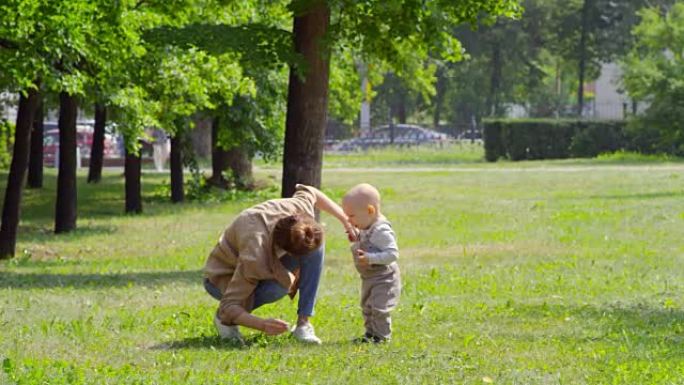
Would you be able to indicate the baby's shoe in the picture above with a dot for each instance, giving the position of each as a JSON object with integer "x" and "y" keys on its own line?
{"x": 364, "y": 339}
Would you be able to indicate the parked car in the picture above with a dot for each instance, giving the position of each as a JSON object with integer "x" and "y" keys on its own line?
{"x": 84, "y": 142}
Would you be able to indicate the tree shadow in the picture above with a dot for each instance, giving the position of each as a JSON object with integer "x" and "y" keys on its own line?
{"x": 618, "y": 322}
{"x": 644, "y": 196}
{"x": 35, "y": 232}
{"x": 93, "y": 281}
{"x": 104, "y": 199}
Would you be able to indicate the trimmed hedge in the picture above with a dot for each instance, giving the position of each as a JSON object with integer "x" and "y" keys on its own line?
{"x": 531, "y": 139}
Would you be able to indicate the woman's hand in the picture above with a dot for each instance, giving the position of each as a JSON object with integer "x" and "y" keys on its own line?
{"x": 324, "y": 203}
{"x": 273, "y": 326}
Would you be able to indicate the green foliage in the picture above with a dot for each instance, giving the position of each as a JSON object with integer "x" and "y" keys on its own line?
{"x": 654, "y": 72}
{"x": 255, "y": 121}
{"x": 397, "y": 32}
{"x": 246, "y": 92}
{"x": 529, "y": 139}
{"x": 6, "y": 142}
{"x": 134, "y": 111}
{"x": 345, "y": 95}
{"x": 598, "y": 137}
{"x": 257, "y": 45}
{"x": 493, "y": 141}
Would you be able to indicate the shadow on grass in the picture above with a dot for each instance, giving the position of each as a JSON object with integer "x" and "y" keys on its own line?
{"x": 631, "y": 324}
{"x": 34, "y": 232}
{"x": 103, "y": 199}
{"x": 93, "y": 281}
{"x": 645, "y": 196}
{"x": 256, "y": 341}
{"x": 203, "y": 342}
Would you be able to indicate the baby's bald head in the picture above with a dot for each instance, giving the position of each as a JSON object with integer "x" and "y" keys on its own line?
{"x": 362, "y": 204}
{"x": 363, "y": 194}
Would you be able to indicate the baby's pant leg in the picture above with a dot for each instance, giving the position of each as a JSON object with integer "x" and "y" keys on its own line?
{"x": 366, "y": 307}
{"x": 384, "y": 298}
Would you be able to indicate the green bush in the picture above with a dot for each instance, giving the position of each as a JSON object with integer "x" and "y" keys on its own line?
{"x": 536, "y": 139}
{"x": 493, "y": 144}
{"x": 6, "y": 143}
{"x": 530, "y": 139}
{"x": 598, "y": 137}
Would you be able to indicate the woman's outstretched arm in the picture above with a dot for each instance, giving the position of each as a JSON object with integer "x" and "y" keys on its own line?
{"x": 326, "y": 204}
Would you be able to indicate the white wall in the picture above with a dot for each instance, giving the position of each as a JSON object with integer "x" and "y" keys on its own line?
{"x": 8, "y": 107}
{"x": 609, "y": 102}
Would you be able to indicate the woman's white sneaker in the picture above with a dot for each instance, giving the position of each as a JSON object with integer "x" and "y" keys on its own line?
{"x": 306, "y": 333}
{"x": 228, "y": 332}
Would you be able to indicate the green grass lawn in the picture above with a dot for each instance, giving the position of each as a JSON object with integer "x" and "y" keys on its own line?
{"x": 543, "y": 273}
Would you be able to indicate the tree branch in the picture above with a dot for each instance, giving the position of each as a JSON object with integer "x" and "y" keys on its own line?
{"x": 8, "y": 44}
{"x": 139, "y": 4}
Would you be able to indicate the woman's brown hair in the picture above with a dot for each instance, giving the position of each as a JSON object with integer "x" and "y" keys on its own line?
{"x": 298, "y": 234}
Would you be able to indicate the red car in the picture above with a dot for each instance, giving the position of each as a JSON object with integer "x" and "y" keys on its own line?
{"x": 84, "y": 142}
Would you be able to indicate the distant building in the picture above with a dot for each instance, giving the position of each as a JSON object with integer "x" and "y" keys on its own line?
{"x": 8, "y": 107}
{"x": 610, "y": 102}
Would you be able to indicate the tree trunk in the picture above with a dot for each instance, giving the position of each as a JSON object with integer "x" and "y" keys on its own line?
{"x": 401, "y": 106}
{"x": 438, "y": 101}
{"x": 35, "y": 167}
{"x": 218, "y": 155}
{"x": 240, "y": 163}
{"x": 583, "y": 56}
{"x": 65, "y": 208}
{"x": 493, "y": 107}
{"x": 17, "y": 173}
{"x": 307, "y": 101}
{"x": 97, "y": 149}
{"x": 177, "y": 194}
{"x": 132, "y": 171}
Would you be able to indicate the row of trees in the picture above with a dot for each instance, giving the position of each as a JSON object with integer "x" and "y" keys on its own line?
{"x": 540, "y": 61}
{"x": 152, "y": 63}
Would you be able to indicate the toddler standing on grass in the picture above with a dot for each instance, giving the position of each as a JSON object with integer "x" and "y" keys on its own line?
{"x": 375, "y": 255}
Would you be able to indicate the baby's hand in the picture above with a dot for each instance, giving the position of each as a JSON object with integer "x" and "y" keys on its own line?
{"x": 352, "y": 234}
{"x": 361, "y": 258}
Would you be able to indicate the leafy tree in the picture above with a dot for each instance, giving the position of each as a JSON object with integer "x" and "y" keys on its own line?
{"x": 393, "y": 32}
{"x": 654, "y": 72}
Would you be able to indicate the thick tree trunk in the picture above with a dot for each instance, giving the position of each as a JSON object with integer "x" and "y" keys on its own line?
{"x": 218, "y": 158}
{"x": 132, "y": 171}
{"x": 240, "y": 163}
{"x": 177, "y": 194}
{"x": 97, "y": 149}
{"x": 35, "y": 168}
{"x": 17, "y": 173}
{"x": 307, "y": 101}
{"x": 65, "y": 208}
{"x": 583, "y": 56}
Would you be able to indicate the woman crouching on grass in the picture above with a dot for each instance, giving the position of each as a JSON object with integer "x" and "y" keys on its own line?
{"x": 270, "y": 250}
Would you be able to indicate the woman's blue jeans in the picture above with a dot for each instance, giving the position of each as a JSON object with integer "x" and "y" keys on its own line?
{"x": 268, "y": 291}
